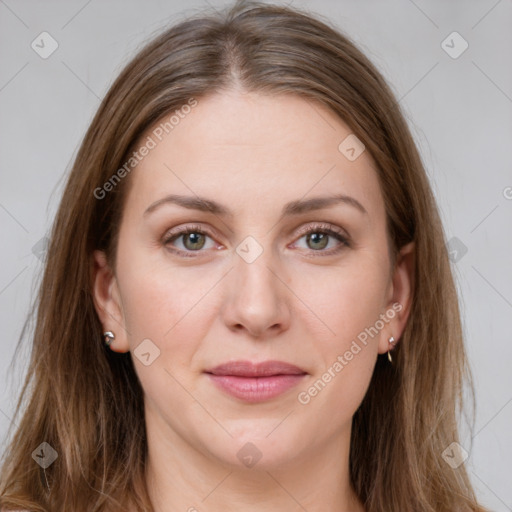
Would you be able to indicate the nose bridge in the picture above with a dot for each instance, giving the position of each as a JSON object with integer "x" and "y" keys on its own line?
{"x": 252, "y": 262}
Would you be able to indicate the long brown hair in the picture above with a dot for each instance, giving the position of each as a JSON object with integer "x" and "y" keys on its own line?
{"x": 86, "y": 402}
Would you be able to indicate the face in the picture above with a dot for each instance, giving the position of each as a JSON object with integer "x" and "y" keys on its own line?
{"x": 264, "y": 273}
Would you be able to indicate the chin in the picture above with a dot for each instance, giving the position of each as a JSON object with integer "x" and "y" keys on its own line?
{"x": 258, "y": 445}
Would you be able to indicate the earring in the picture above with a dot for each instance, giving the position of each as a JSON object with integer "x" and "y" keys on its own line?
{"x": 391, "y": 341}
{"x": 108, "y": 337}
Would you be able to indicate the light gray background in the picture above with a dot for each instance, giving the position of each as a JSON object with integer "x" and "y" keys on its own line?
{"x": 460, "y": 111}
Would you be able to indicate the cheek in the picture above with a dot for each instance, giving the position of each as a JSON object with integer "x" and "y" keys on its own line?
{"x": 345, "y": 361}
{"x": 349, "y": 299}
{"x": 350, "y": 303}
{"x": 156, "y": 295}
{"x": 163, "y": 305}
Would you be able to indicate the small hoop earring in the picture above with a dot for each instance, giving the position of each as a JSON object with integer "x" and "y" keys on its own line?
{"x": 391, "y": 341}
{"x": 109, "y": 337}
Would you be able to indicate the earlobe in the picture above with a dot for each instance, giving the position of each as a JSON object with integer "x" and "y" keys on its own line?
{"x": 107, "y": 303}
{"x": 402, "y": 292}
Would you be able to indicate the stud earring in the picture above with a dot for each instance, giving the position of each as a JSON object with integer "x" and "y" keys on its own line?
{"x": 391, "y": 342}
{"x": 108, "y": 337}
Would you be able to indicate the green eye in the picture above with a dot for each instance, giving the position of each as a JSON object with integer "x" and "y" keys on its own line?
{"x": 193, "y": 239}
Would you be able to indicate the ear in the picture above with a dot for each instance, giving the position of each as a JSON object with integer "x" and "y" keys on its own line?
{"x": 400, "y": 297}
{"x": 107, "y": 302}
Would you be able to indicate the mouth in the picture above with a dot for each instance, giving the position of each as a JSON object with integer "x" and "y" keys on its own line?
{"x": 256, "y": 382}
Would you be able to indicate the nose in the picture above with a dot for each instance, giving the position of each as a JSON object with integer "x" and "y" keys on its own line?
{"x": 258, "y": 299}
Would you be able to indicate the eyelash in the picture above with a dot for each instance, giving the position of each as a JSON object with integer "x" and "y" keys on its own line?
{"x": 323, "y": 228}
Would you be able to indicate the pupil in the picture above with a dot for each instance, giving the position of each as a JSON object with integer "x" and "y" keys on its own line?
{"x": 318, "y": 238}
{"x": 193, "y": 237}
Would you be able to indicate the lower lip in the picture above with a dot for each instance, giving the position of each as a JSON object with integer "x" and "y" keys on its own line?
{"x": 256, "y": 389}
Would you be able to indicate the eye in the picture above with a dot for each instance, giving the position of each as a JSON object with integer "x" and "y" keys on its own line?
{"x": 317, "y": 238}
{"x": 193, "y": 239}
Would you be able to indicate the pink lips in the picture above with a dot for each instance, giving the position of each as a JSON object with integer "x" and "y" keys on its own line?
{"x": 256, "y": 382}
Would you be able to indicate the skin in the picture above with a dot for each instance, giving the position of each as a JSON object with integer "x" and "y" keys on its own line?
{"x": 252, "y": 153}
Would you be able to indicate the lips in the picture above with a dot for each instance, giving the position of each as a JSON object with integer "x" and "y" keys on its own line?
{"x": 248, "y": 369}
{"x": 259, "y": 382}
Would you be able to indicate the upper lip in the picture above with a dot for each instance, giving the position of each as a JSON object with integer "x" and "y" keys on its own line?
{"x": 249, "y": 369}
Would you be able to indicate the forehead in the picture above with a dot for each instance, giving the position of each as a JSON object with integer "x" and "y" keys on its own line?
{"x": 253, "y": 151}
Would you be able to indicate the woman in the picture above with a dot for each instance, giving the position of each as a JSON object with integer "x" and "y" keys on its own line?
{"x": 247, "y": 302}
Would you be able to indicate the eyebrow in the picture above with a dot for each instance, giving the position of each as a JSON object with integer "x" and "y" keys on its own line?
{"x": 296, "y": 207}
